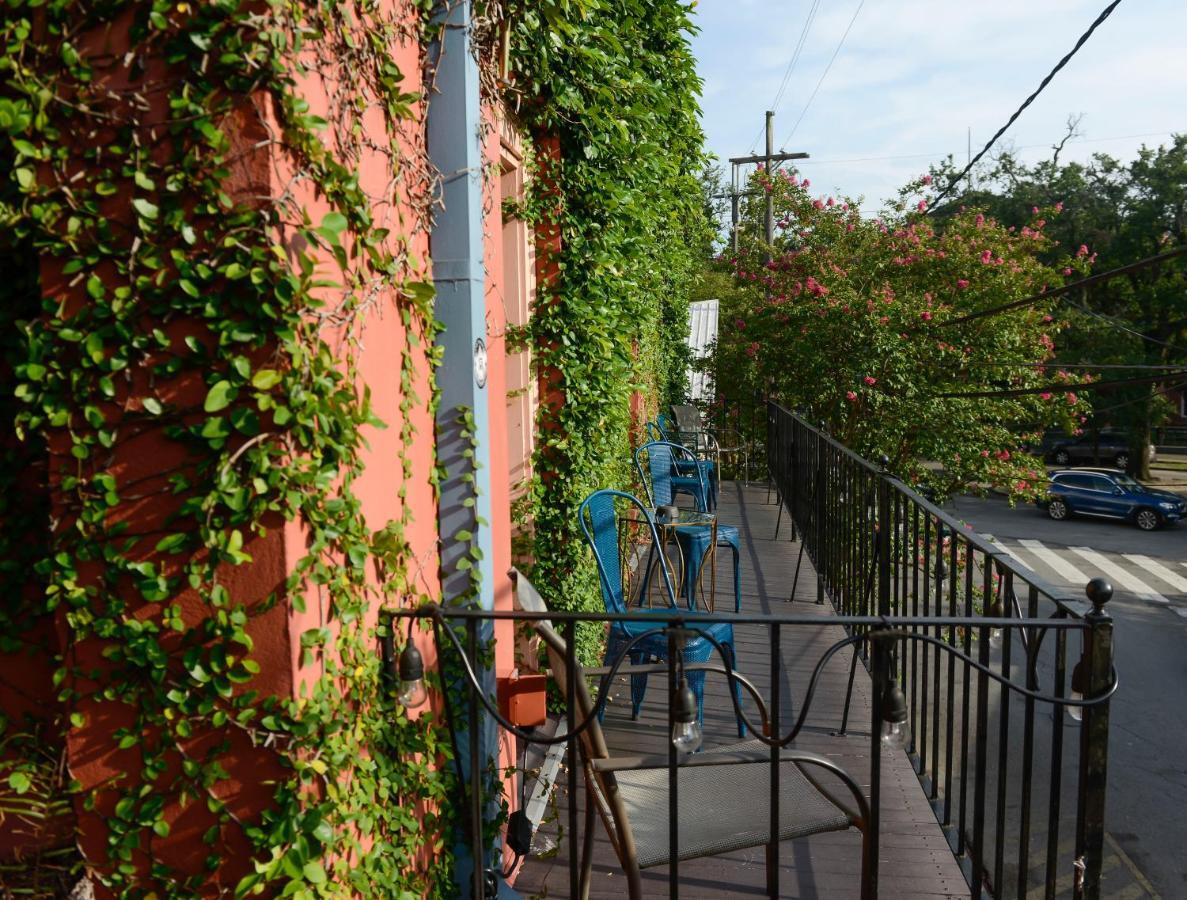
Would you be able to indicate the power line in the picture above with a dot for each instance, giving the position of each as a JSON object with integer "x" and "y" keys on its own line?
{"x": 938, "y": 154}
{"x": 1055, "y": 387}
{"x": 1109, "y": 320}
{"x": 1108, "y": 10}
{"x": 795, "y": 57}
{"x": 824, "y": 74}
{"x": 1067, "y": 288}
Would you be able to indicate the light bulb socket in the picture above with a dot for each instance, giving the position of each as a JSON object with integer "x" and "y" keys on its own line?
{"x": 411, "y": 664}
{"x": 894, "y": 703}
{"x": 684, "y": 703}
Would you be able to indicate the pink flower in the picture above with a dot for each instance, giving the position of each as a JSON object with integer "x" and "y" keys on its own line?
{"x": 926, "y": 316}
{"x": 926, "y": 179}
{"x": 830, "y": 202}
{"x": 1047, "y": 319}
{"x": 1046, "y": 395}
{"x": 870, "y": 379}
{"x": 1022, "y": 486}
{"x": 1083, "y": 251}
{"x": 804, "y": 183}
{"x": 985, "y": 453}
{"x": 818, "y": 204}
{"x": 1035, "y": 210}
{"x": 752, "y": 349}
{"x": 980, "y": 220}
{"x": 921, "y": 205}
{"x": 1003, "y": 455}
{"x": 986, "y": 257}
{"x": 851, "y": 396}
{"x": 1071, "y": 398}
{"x": 962, "y": 283}
{"x": 1067, "y": 270}
{"x": 739, "y": 323}
{"x": 1059, "y": 206}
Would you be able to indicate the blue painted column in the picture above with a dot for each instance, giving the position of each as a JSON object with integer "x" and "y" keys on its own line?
{"x": 454, "y": 144}
{"x": 454, "y": 127}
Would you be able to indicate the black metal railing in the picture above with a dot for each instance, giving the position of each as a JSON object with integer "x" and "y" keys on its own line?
{"x": 739, "y": 425}
{"x": 889, "y": 641}
{"x": 1007, "y": 783}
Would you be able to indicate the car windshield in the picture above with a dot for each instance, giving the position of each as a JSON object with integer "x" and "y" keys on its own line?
{"x": 1126, "y": 482}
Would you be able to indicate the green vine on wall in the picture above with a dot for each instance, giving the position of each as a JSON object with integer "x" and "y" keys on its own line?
{"x": 219, "y": 329}
{"x": 615, "y": 82}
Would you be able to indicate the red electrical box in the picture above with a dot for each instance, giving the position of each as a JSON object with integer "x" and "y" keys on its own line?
{"x": 522, "y": 698}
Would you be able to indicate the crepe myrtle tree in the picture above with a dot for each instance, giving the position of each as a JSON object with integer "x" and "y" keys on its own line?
{"x": 851, "y": 321}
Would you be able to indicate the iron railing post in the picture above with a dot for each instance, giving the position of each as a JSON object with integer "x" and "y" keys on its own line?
{"x": 881, "y": 667}
{"x": 1097, "y": 660}
{"x": 821, "y": 506}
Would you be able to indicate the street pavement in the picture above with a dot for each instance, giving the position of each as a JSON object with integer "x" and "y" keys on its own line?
{"x": 1147, "y": 803}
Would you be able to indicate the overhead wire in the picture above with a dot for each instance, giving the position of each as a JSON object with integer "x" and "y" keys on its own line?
{"x": 1114, "y": 323}
{"x": 795, "y": 57}
{"x": 824, "y": 74}
{"x": 939, "y": 154}
{"x": 1054, "y": 387}
{"x": 1108, "y": 10}
{"x": 1064, "y": 289}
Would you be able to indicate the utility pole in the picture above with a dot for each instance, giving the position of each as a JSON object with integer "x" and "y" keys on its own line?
{"x": 770, "y": 213}
{"x": 767, "y": 160}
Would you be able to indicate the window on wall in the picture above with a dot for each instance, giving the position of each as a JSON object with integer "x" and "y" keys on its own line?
{"x": 519, "y": 289}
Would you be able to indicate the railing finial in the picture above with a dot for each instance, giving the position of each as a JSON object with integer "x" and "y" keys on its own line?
{"x": 1099, "y": 592}
{"x": 884, "y": 463}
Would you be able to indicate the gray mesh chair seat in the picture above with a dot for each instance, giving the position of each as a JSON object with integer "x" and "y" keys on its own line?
{"x": 723, "y": 808}
{"x": 723, "y": 802}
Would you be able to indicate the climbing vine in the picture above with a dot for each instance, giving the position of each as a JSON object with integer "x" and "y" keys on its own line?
{"x": 616, "y": 86}
{"x": 191, "y": 177}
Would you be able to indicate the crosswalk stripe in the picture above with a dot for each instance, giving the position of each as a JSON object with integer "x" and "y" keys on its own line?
{"x": 1158, "y": 570}
{"x": 1125, "y": 579}
{"x": 1065, "y": 569}
{"x": 1006, "y": 550}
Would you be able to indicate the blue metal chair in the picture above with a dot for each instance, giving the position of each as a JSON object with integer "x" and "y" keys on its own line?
{"x": 664, "y": 429}
{"x": 598, "y": 515}
{"x": 659, "y": 482}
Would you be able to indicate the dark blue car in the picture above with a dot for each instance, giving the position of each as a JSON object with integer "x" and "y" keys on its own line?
{"x": 1111, "y": 495}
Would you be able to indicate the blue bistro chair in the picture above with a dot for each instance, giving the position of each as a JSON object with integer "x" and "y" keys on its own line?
{"x": 695, "y": 541}
{"x": 687, "y": 469}
{"x": 598, "y": 515}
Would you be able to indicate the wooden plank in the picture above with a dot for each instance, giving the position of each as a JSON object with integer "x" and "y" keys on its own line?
{"x": 914, "y": 859}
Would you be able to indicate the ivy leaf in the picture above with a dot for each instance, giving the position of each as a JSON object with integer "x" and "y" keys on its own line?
{"x": 145, "y": 209}
{"x": 153, "y": 405}
{"x": 19, "y": 782}
{"x": 265, "y": 379}
{"x": 332, "y": 225}
{"x": 172, "y": 543}
{"x": 220, "y": 396}
{"x": 314, "y": 873}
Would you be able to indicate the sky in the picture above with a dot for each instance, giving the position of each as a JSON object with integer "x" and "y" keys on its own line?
{"x": 913, "y": 76}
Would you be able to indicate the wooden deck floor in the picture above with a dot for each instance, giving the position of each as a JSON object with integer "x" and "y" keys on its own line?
{"x": 914, "y": 858}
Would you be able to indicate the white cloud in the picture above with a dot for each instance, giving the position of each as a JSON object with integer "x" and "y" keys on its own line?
{"x": 913, "y": 75}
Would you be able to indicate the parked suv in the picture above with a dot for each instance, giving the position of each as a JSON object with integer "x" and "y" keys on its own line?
{"x": 1109, "y": 447}
{"x": 1111, "y": 495}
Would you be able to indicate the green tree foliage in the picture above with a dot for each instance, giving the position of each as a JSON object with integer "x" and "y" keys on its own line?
{"x": 617, "y": 86}
{"x": 854, "y": 322}
{"x": 1118, "y": 213}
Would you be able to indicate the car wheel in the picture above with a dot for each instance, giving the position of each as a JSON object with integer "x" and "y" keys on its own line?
{"x": 1121, "y": 460}
{"x": 1057, "y": 510}
{"x": 1147, "y": 519}
{"x": 1061, "y": 458}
